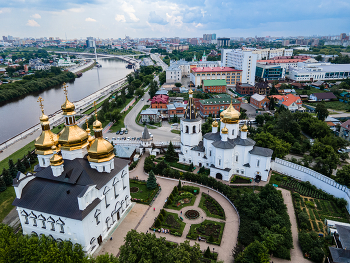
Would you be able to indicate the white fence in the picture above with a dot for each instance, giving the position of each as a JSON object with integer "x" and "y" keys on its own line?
{"x": 319, "y": 180}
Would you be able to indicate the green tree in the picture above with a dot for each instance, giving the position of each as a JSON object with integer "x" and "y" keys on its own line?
{"x": 280, "y": 148}
{"x": 179, "y": 186}
{"x": 272, "y": 104}
{"x": 151, "y": 181}
{"x": 7, "y": 177}
{"x": 2, "y": 185}
{"x": 256, "y": 252}
{"x": 177, "y": 84}
{"x": 207, "y": 253}
{"x": 171, "y": 155}
{"x": 321, "y": 111}
{"x": 318, "y": 57}
{"x": 12, "y": 169}
{"x": 260, "y": 119}
{"x": 343, "y": 175}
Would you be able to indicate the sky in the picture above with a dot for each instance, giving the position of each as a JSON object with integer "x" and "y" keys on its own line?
{"x": 173, "y": 18}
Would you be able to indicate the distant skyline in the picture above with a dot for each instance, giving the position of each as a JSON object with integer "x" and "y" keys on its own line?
{"x": 173, "y": 18}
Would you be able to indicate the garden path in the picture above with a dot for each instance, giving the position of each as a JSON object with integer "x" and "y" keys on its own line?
{"x": 295, "y": 253}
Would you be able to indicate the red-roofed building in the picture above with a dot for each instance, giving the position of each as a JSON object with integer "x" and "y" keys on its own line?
{"x": 159, "y": 102}
{"x": 290, "y": 101}
{"x": 231, "y": 75}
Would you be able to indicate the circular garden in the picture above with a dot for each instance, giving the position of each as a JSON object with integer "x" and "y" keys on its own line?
{"x": 134, "y": 189}
{"x": 191, "y": 214}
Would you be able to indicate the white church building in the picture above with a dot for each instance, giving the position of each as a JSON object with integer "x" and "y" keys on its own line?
{"x": 225, "y": 152}
{"x": 80, "y": 191}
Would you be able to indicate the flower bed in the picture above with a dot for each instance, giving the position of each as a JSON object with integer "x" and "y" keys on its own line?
{"x": 211, "y": 207}
{"x": 191, "y": 214}
{"x": 169, "y": 221}
{"x": 143, "y": 195}
{"x": 179, "y": 199}
{"x": 210, "y": 230}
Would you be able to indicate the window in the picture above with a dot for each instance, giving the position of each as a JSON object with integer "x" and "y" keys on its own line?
{"x": 242, "y": 171}
{"x": 233, "y": 132}
{"x": 34, "y": 222}
{"x": 115, "y": 182}
{"x": 25, "y": 215}
{"x": 52, "y": 222}
{"x": 187, "y": 129}
{"x": 199, "y": 154}
{"x": 61, "y": 223}
{"x": 97, "y": 215}
{"x": 209, "y": 153}
{"x": 236, "y": 158}
{"x": 257, "y": 163}
{"x": 93, "y": 243}
{"x": 219, "y": 162}
{"x": 105, "y": 192}
{"x": 194, "y": 129}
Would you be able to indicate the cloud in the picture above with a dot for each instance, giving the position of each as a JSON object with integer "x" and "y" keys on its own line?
{"x": 199, "y": 25}
{"x": 154, "y": 18}
{"x": 5, "y": 10}
{"x": 37, "y": 16}
{"x": 89, "y": 19}
{"x": 120, "y": 18}
{"x": 130, "y": 11}
{"x": 33, "y": 23}
{"x": 76, "y": 10}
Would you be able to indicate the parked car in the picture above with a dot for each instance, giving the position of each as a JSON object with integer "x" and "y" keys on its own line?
{"x": 134, "y": 138}
{"x": 150, "y": 134}
{"x": 139, "y": 138}
{"x": 121, "y": 133}
{"x": 142, "y": 99}
{"x": 128, "y": 139}
{"x": 117, "y": 132}
{"x": 126, "y": 132}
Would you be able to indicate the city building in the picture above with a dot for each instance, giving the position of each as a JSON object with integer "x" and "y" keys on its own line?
{"x": 80, "y": 191}
{"x": 340, "y": 253}
{"x": 199, "y": 74}
{"x": 159, "y": 102}
{"x": 217, "y": 104}
{"x": 319, "y": 71}
{"x": 289, "y": 101}
{"x": 263, "y": 88}
{"x": 214, "y": 86}
{"x": 269, "y": 53}
{"x": 223, "y": 42}
{"x": 245, "y": 89}
{"x": 149, "y": 115}
{"x": 269, "y": 72}
{"x": 176, "y": 109}
{"x": 226, "y": 152}
{"x": 323, "y": 96}
{"x": 259, "y": 101}
{"x": 182, "y": 68}
{"x": 244, "y": 60}
{"x": 90, "y": 42}
{"x": 344, "y": 130}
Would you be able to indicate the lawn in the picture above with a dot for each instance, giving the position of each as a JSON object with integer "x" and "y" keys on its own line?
{"x": 6, "y": 199}
{"x": 334, "y": 105}
{"x": 207, "y": 229}
{"x": 172, "y": 222}
{"x": 17, "y": 155}
{"x": 185, "y": 197}
{"x": 89, "y": 111}
{"x": 240, "y": 180}
{"x": 176, "y": 131}
{"x": 143, "y": 194}
{"x": 58, "y": 128}
{"x": 211, "y": 207}
{"x": 309, "y": 91}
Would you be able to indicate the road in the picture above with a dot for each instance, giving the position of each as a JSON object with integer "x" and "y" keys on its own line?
{"x": 159, "y": 61}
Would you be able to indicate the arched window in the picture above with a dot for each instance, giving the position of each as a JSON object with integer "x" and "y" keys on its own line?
{"x": 105, "y": 192}
{"x": 25, "y": 215}
{"x": 187, "y": 129}
{"x": 194, "y": 129}
{"x": 52, "y": 222}
{"x": 233, "y": 132}
{"x": 34, "y": 217}
{"x": 42, "y": 219}
{"x": 61, "y": 224}
{"x": 97, "y": 215}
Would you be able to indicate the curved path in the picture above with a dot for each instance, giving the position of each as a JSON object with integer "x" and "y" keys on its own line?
{"x": 141, "y": 218}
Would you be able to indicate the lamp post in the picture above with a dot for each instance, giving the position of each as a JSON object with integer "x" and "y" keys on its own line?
{"x": 30, "y": 165}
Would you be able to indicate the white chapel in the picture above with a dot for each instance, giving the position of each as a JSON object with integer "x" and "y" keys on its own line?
{"x": 81, "y": 190}
{"x": 225, "y": 152}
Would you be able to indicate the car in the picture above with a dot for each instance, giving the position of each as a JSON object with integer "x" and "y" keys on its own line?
{"x": 133, "y": 138}
{"x": 121, "y": 133}
{"x": 139, "y": 138}
{"x": 128, "y": 139}
{"x": 126, "y": 132}
{"x": 118, "y": 138}
{"x": 151, "y": 135}
{"x": 124, "y": 138}
{"x": 117, "y": 132}
{"x": 142, "y": 99}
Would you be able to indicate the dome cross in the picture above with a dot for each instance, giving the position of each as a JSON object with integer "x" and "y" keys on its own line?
{"x": 40, "y": 100}
{"x": 64, "y": 87}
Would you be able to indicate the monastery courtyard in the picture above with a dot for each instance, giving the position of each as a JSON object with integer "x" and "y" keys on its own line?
{"x": 141, "y": 217}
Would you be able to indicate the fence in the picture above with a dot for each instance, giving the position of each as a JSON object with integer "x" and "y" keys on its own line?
{"x": 319, "y": 180}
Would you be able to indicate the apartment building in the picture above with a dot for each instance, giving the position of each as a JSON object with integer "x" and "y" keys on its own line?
{"x": 217, "y": 104}
{"x": 231, "y": 75}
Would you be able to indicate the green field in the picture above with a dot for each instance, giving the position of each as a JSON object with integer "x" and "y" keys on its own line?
{"x": 334, "y": 105}
{"x": 17, "y": 155}
{"x": 309, "y": 91}
{"x": 6, "y": 199}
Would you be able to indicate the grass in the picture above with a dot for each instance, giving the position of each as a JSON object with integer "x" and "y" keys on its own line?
{"x": 334, "y": 105}
{"x": 120, "y": 124}
{"x": 173, "y": 230}
{"x": 89, "y": 111}
{"x": 193, "y": 234}
{"x": 206, "y": 210}
{"x": 176, "y": 131}
{"x": 6, "y": 199}
{"x": 240, "y": 180}
{"x": 17, "y": 155}
{"x": 182, "y": 195}
{"x": 144, "y": 195}
{"x": 309, "y": 91}
{"x": 58, "y": 128}
{"x": 88, "y": 68}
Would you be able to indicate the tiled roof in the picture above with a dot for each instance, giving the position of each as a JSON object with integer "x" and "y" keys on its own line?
{"x": 258, "y": 97}
{"x": 324, "y": 95}
{"x": 214, "y": 69}
{"x": 261, "y": 151}
{"x": 160, "y": 99}
{"x": 346, "y": 125}
{"x": 288, "y": 100}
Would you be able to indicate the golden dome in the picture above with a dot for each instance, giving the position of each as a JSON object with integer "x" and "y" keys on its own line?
{"x": 190, "y": 91}
{"x": 230, "y": 115}
{"x": 97, "y": 125}
{"x": 100, "y": 151}
{"x": 43, "y": 118}
{"x": 244, "y": 128}
{"x": 44, "y": 142}
{"x": 215, "y": 124}
{"x": 224, "y": 130}
{"x": 56, "y": 159}
{"x": 68, "y": 107}
{"x": 72, "y": 138}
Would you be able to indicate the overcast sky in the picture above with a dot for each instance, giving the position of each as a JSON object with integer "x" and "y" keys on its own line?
{"x": 170, "y": 18}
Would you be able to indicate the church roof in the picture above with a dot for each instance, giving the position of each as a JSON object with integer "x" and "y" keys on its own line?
{"x": 339, "y": 255}
{"x": 199, "y": 147}
{"x": 244, "y": 142}
{"x": 213, "y": 136}
{"x": 229, "y": 144}
{"x": 145, "y": 134}
{"x": 59, "y": 195}
{"x": 344, "y": 236}
{"x": 261, "y": 151}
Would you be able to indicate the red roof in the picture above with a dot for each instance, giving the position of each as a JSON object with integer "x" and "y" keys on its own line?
{"x": 346, "y": 125}
{"x": 288, "y": 100}
{"x": 214, "y": 69}
{"x": 160, "y": 99}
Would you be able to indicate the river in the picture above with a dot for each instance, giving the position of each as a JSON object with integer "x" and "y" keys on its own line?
{"x": 24, "y": 113}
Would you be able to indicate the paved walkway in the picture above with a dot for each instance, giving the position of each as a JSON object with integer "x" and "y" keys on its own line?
{"x": 295, "y": 253}
{"x": 132, "y": 220}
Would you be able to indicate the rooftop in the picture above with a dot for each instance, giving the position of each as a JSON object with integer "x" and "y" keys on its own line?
{"x": 215, "y": 69}
{"x": 214, "y": 82}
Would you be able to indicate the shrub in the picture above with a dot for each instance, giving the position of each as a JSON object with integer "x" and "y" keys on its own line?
{"x": 161, "y": 217}
{"x": 163, "y": 212}
{"x": 157, "y": 223}
{"x": 211, "y": 238}
{"x": 207, "y": 253}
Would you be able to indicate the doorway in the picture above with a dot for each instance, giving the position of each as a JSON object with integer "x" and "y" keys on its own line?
{"x": 219, "y": 176}
{"x": 99, "y": 240}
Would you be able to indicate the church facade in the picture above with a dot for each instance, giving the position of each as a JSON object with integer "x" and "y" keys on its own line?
{"x": 225, "y": 152}
{"x": 80, "y": 191}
